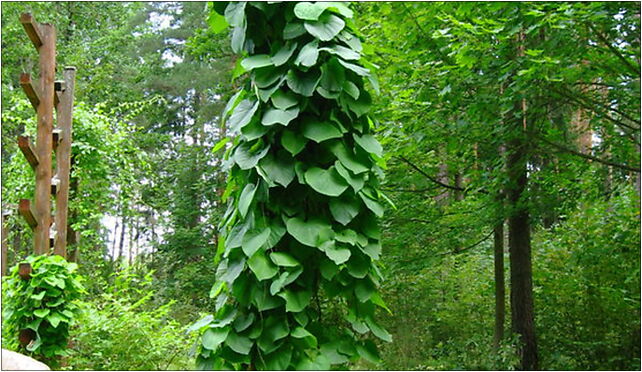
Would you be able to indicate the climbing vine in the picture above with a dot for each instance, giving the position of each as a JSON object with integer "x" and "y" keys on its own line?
{"x": 37, "y": 312}
{"x": 303, "y": 216}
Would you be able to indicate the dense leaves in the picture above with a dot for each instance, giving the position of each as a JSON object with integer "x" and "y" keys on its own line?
{"x": 291, "y": 209}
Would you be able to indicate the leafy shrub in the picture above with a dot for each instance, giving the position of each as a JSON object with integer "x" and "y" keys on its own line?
{"x": 122, "y": 330}
{"x": 42, "y": 308}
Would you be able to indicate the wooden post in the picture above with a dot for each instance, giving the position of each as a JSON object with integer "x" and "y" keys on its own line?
{"x": 63, "y": 157}
{"x": 5, "y": 245}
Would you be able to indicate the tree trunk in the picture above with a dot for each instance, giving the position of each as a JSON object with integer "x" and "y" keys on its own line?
{"x": 123, "y": 230}
{"x": 500, "y": 291}
{"x": 519, "y": 244}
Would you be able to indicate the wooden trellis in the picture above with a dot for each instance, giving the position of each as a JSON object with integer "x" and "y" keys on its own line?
{"x": 49, "y": 94}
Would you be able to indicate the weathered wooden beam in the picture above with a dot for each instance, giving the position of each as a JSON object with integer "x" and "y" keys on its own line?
{"x": 5, "y": 243}
{"x": 32, "y": 28}
{"x": 24, "y": 270}
{"x": 24, "y": 208}
{"x": 28, "y": 151}
{"x": 64, "y": 117}
{"x": 56, "y": 137}
{"x": 30, "y": 90}
{"x": 59, "y": 88}
{"x": 44, "y": 142}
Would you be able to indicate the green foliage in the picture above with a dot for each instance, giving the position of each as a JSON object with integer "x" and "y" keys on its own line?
{"x": 295, "y": 229}
{"x": 46, "y": 305}
{"x": 123, "y": 330}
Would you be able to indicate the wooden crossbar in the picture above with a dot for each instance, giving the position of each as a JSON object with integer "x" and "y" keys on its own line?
{"x": 25, "y": 210}
{"x": 28, "y": 151}
{"x": 30, "y": 90}
{"x": 32, "y": 29}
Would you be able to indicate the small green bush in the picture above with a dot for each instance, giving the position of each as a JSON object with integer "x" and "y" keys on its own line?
{"x": 123, "y": 330}
{"x": 46, "y": 304}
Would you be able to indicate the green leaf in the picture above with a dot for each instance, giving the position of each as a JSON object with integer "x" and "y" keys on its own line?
{"x": 347, "y": 158}
{"x": 296, "y": 301}
{"x": 240, "y": 344}
{"x": 241, "y": 323}
{"x": 359, "y": 266}
{"x": 336, "y": 253}
{"x": 373, "y": 205}
{"x": 293, "y": 141}
{"x": 235, "y": 13}
{"x": 54, "y": 319}
{"x": 327, "y": 182}
{"x": 344, "y": 210}
{"x": 278, "y": 169}
{"x": 265, "y": 77}
{"x": 308, "y": 55}
{"x": 332, "y": 76}
{"x": 350, "y": 88}
{"x": 284, "y": 259}
{"x": 369, "y": 143}
{"x": 41, "y": 313}
{"x": 39, "y": 296}
{"x": 361, "y": 71}
{"x": 220, "y": 144}
{"x": 302, "y": 333}
{"x": 261, "y": 266}
{"x": 326, "y": 28}
{"x": 320, "y": 131}
{"x": 254, "y": 239}
{"x": 242, "y": 115}
{"x": 343, "y": 52}
{"x": 254, "y": 130}
{"x": 217, "y": 288}
{"x": 303, "y": 83}
{"x": 213, "y": 337}
{"x": 368, "y": 351}
{"x": 247, "y": 157}
{"x": 308, "y": 232}
{"x": 378, "y": 330}
{"x": 217, "y": 22}
{"x": 275, "y": 116}
{"x": 238, "y": 37}
{"x": 312, "y": 11}
{"x": 373, "y": 250}
{"x": 278, "y": 360}
{"x": 284, "y": 100}
{"x": 292, "y": 30}
{"x": 328, "y": 269}
{"x": 233, "y": 270}
{"x": 256, "y": 61}
{"x": 364, "y": 290}
{"x": 356, "y": 182}
{"x": 246, "y": 198}
{"x": 284, "y": 54}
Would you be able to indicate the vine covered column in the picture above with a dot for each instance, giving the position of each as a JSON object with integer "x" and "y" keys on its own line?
{"x": 297, "y": 278}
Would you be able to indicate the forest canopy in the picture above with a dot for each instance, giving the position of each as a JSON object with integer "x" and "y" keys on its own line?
{"x": 366, "y": 185}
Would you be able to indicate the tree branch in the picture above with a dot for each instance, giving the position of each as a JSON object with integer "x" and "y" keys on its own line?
{"x": 429, "y": 176}
{"x": 589, "y": 157}
{"x": 635, "y": 71}
{"x": 470, "y": 246}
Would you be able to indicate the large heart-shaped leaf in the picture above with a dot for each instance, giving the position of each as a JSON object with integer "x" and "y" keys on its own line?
{"x": 308, "y": 55}
{"x": 356, "y": 181}
{"x": 242, "y": 115}
{"x": 279, "y": 169}
{"x": 293, "y": 141}
{"x": 261, "y": 266}
{"x": 275, "y": 116}
{"x": 344, "y": 209}
{"x": 303, "y": 83}
{"x": 284, "y": 100}
{"x": 348, "y": 158}
{"x": 326, "y": 181}
{"x": 369, "y": 143}
{"x": 312, "y": 11}
{"x": 284, "y": 259}
{"x": 343, "y": 52}
{"x": 326, "y": 28}
{"x": 256, "y": 61}
{"x": 296, "y": 301}
{"x": 247, "y": 155}
{"x": 255, "y": 239}
{"x": 320, "y": 131}
{"x": 240, "y": 344}
{"x": 284, "y": 54}
{"x": 213, "y": 337}
{"x": 309, "y": 232}
{"x": 336, "y": 253}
